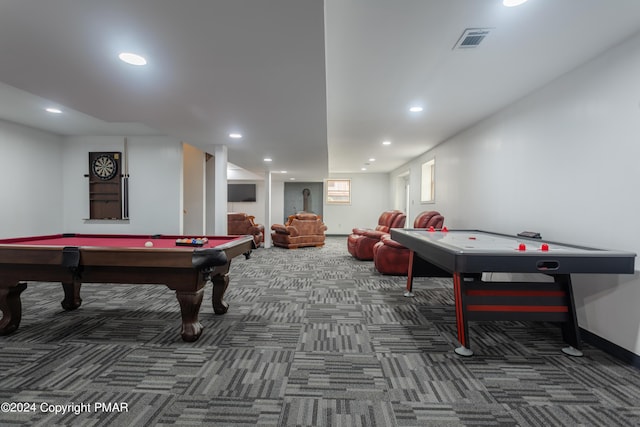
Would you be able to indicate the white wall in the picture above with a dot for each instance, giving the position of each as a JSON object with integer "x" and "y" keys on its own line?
{"x": 193, "y": 188}
{"x": 277, "y": 204}
{"x": 294, "y": 198}
{"x": 370, "y": 196}
{"x": 155, "y": 185}
{"x": 251, "y": 208}
{"x": 30, "y": 181}
{"x": 564, "y": 162}
{"x": 210, "y": 196}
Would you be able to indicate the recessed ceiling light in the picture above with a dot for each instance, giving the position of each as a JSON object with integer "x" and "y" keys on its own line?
{"x": 132, "y": 58}
{"x": 415, "y": 109}
{"x": 512, "y": 3}
{"x": 283, "y": 171}
{"x": 235, "y": 135}
{"x": 363, "y": 169}
{"x": 372, "y": 159}
{"x": 292, "y": 179}
{"x": 386, "y": 142}
{"x": 268, "y": 159}
{"x": 54, "y": 110}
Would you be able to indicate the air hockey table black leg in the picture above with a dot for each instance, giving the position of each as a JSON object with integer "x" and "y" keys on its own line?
{"x": 461, "y": 322}
{"x": 409, "y": 292}
{"x": 570, "y": 330}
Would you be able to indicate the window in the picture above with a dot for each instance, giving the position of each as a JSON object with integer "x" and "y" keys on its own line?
{"x": 428, "y": 182}
{"x": 339, "y": 191}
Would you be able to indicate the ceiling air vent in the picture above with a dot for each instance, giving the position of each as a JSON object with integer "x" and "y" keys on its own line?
{"x": 471, "y": 37}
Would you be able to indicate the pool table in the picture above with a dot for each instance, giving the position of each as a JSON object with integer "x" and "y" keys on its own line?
{"x": 466, "y": 255}
{"x": 73, "y": 259}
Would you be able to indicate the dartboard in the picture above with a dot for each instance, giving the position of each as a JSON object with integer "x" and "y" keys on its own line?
{"x": 104, "y": 167}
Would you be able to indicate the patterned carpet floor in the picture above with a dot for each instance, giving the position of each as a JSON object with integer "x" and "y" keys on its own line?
{"x": 313, "y": 337}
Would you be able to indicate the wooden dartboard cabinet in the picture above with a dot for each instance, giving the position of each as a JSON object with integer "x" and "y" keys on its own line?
{"x": 105, "y": 185}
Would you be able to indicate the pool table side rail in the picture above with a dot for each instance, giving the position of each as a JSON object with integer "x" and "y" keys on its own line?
{"x": 155, "y": 257}
{"x": 13, "y": 240}
{"x": 143, "y": 237}
{"x": 174, "y": 268}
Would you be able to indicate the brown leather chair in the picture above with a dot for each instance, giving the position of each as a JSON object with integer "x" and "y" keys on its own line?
{"x": 390, "y": 257}
{"x": 239, "y": 223}
{"x": 302, "y": 229}
{"x": 361, "y": 241}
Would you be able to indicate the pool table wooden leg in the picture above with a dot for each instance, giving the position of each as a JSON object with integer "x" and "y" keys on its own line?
{"x": 190, "y": 302}
{"x": 72, "y": 298}
{"x": 11, "y": 308}
{"x": 220, "y": 283}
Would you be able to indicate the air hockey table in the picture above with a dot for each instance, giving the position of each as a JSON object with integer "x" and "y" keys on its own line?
{"x": 466, "y": 254}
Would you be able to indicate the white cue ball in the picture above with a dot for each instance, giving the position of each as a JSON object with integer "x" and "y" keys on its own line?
{"x": 149, "y": 244}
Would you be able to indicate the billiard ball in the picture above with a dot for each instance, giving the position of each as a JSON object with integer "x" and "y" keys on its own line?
{"x": 149, "y": 244}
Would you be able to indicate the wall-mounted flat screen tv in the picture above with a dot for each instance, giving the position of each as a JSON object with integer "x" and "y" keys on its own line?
{"x": 241, "y": 192}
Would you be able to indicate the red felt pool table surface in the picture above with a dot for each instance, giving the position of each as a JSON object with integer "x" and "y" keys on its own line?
{"x": 113, "y": 240}
{"x": 73, "y": 259}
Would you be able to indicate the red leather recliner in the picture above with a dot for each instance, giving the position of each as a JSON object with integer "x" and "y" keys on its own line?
{"x": 361, "y": 241}
{"x": 390, "y": 257}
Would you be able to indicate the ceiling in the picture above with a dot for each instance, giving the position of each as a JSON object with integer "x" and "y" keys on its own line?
{"x": 315, "y": 85}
